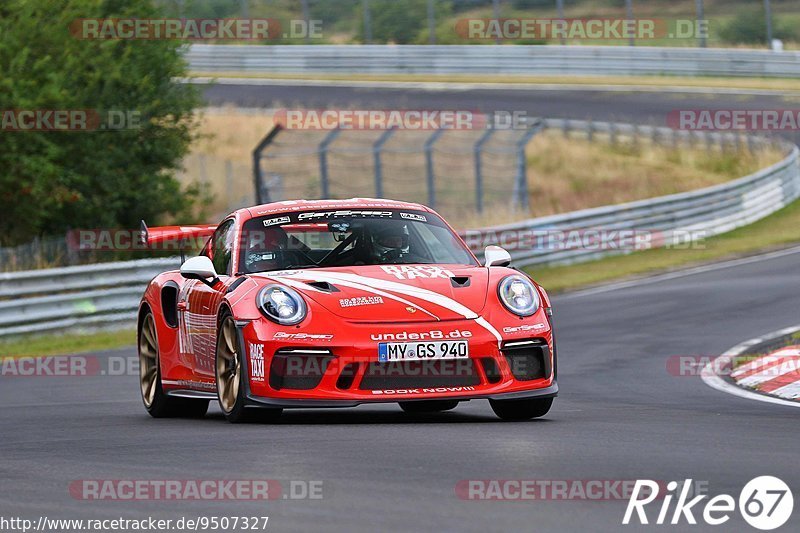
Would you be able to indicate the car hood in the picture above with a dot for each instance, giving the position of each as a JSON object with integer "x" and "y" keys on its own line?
{"x": 383, "y": 293}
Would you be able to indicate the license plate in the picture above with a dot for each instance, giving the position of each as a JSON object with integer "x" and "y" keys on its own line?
{"x": 416, "y": 351}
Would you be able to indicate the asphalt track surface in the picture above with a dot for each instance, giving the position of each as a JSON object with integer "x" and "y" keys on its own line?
{"x": 620, "y": 416}
{"x": 642, "y": 107}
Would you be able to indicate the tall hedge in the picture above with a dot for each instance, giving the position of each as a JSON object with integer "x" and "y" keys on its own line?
{"x": 54, "y": 180}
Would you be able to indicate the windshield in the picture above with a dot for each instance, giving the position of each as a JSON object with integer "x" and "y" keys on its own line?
{"x": 318, "y": 239}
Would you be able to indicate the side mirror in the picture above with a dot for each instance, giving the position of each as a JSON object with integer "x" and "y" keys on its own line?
{"x": 496, "y": 256}
{"x": 199, "y": 267}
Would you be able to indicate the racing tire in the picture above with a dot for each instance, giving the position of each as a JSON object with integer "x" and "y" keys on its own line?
{"x": 517, "y": 410}
{"x": 428, "y": 406}
{"x": 157, "y": 403}
{"x": 230, "y": 378}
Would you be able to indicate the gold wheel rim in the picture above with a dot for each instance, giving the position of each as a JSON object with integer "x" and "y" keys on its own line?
{"x": 228, "y": 366}
{"x": 148, "y": 360}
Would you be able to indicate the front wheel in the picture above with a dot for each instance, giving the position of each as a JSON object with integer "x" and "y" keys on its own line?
{"x": 231, "y": 378}
{"x": 521, "y": 409}
{"x": 428, "y": 406}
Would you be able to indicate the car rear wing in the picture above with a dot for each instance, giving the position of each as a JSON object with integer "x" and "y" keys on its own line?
{"x": 175, "y": 237}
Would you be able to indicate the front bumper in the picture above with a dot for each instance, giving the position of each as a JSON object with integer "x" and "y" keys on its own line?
{"x": 314, "y": 371}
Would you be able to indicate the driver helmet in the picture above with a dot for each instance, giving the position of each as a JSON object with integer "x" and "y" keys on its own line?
{"x": 390, "y": 241}
{"x": 264, "y": 249}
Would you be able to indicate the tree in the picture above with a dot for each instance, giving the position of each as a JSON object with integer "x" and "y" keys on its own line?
{"x": 54, "y": 180}
{"x": 750, "y": 26}
{"x": 402, "y": 21}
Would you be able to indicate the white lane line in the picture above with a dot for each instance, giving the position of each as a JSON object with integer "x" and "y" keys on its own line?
{"x": 714, "y": 381}
{"x": 678, "y": 274}
{"x": 472, "y": 86}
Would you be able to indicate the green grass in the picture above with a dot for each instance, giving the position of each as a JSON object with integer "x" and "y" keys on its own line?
{"x": 777, "y": 230}
{"x": 46, "y": 345}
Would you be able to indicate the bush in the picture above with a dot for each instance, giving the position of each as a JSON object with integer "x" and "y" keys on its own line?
{"x": 749, "y": 26}
{"x": 402, "y": 21}
{"x": 51, "y": 181}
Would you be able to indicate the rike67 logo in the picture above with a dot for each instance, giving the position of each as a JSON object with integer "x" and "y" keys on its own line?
{"x": 765, "y": 503}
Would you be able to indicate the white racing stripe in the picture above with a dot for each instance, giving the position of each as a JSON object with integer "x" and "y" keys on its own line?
{"x": 375, "y": 285}
{"x": 300, "y": 285}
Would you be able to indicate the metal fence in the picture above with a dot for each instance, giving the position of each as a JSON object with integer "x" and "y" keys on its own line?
{"x": 492, "y": 59}
{"x": 107, "y": 295}
{"x": 461, "y": 174}
{"x": 676, "y": 219}
{"x": 475, "y": 169}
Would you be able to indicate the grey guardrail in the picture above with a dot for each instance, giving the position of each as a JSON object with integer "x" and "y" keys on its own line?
{"x": 492, "y": 59}
{"x": 674, "y": 220}
{"x": 107, "y": 295}
{"x": 75, "y": 298}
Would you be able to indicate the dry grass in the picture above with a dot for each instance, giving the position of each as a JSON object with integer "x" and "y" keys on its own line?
{"x": 567, "y": 175}
{"x": 563, "y": 174}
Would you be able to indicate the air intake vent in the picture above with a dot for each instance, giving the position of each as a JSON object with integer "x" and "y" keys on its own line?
{"x": 529, "y": 359}
{"x": 298, "y": 369}
{"x": 323, "y": 286}
{"x": 459, "y": 281}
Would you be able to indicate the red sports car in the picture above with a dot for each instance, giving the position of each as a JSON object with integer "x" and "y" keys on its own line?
{"x": 337, "y": 303}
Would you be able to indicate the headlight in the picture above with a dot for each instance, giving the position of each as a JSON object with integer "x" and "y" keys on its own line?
{"x": 518, "y": 295}
{"x": 282, "y": 304}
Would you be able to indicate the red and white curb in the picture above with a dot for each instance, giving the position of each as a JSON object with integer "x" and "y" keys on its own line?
{"x": 777, "y": 374}
{"x": 773, "y": 378}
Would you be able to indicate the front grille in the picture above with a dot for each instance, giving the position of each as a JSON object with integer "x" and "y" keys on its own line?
{"x": 491, "y": 370}
{"x": 416, "y": 374}
{"x": 348, "y": 375}
{"x": 298, "y": 369}
{"x": 528, "y": 359}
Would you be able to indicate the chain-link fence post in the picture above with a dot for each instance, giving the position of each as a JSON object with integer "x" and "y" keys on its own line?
{"x": 521, "y": 197}
{"x": 431, "y": 178}
{"x": 324, "y": 180}
{"x": 479, "y": 170}
{"x": 431, "y": 22}
{"x": 367, "y": 23}
{"x": 701, "y": 15}
{"x": 768, "y": 17}
{"x": 262, "y": 192}
{"x": 376, "y": 153}
{"x": 629, "y": 16}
